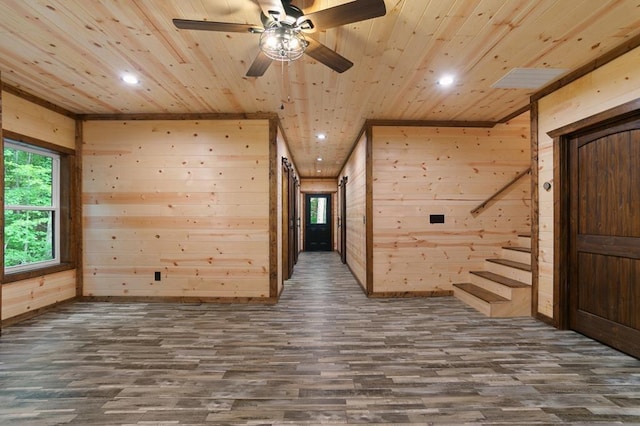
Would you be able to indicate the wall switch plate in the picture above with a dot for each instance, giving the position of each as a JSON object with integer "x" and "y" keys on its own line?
{"x": 157, "y": 276}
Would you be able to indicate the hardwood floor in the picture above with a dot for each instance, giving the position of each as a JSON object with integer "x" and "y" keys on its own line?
{"x": 324, "y": 354}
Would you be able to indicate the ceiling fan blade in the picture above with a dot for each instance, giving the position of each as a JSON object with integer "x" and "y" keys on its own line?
{"x": 228, "y": 27}
{"x": 358, "y": 10}
{"x": 330, "y": 58}
{"x": 272, "y": 8}
{"x": 259, "y": 65}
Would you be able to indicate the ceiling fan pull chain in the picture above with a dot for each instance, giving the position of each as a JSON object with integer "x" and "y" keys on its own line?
{"x": 289, "y": 82}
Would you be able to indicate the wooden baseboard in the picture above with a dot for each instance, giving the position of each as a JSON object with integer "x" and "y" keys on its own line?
{"x": 36, "y": 312}
{"x": 545, "y": 319}
{"x": 363, "y": 287}
{"x": 401, "y": 294}
{"x": 172, "y": 299}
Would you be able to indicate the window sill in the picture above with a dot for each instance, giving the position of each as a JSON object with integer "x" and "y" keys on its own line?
{"x": 25, "y": 275}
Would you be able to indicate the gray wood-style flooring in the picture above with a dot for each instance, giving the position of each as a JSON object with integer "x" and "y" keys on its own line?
{"x": 324, "y": 354}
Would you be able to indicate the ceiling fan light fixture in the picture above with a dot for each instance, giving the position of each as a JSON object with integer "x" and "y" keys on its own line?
{"x": 282, "y": 43}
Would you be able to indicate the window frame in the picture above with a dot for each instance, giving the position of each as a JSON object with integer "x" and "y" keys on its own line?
{"x": 53, "y": 208}
{"x": 67, "y": 202}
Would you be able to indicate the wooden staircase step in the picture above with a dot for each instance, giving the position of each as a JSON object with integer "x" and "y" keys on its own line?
{"x": 509, "y": 282}
{"x": 481, "y": 293}
{"x": 524, "y": 240}
{"x": 517, "y": 253}
{"x": 520, "y": 249}
{"x": 503, "y": 288}
{"x": 511, "y": 264}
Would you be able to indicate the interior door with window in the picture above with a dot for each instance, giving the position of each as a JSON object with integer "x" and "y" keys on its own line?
{"x": 318, "y": 223}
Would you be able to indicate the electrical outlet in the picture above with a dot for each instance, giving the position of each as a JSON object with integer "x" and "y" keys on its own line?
{"x": 157, "y": 276}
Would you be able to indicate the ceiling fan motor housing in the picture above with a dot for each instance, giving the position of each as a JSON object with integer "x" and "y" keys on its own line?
{"x": 274, "y": 18}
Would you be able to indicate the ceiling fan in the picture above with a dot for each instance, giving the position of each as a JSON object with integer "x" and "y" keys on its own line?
{"x": 282, "y": 34}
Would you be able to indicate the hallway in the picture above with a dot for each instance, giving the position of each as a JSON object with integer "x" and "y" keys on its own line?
{"x": 324, "y": 354}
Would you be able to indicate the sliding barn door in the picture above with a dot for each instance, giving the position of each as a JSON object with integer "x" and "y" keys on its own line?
{"x": 289, "y": 212}
{"x": 342, "y": 218}
{"x": 604, "y": 236}
{"x": 291, "y": 223}
{"x": 286, "y": 274}
{"x": 295, "y": 216}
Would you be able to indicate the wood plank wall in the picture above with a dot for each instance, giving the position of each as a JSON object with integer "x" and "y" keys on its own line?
{"x": 611, "y": 85}
{"x": 27, "y": 118}
{"x": 355, "y": 170}
{"x": 419, "y": 171}
{"x": 30, "y": 295}
{"x": 189, "y": 199}
{"x": 322, "y": 185}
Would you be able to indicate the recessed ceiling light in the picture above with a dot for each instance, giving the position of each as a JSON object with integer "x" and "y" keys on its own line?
{"x": 321, "y": 136}
{"x": 319, "y": 158}
{"x": 446, "y": 80}
{"x": 130, "y": 79}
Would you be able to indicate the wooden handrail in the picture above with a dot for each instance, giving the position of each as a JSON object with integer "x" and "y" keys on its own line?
{"x": 500, "y": 191}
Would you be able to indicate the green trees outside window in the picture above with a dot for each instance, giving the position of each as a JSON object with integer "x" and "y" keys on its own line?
{"x": 318, "y": 210}
{"x": 31, "y": 206}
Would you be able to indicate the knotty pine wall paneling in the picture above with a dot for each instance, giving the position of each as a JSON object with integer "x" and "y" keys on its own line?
{"x": 29, "y": 295}
{"x": 323, "y": 185}
{"x": 611, "y": 85}
{"x": 27, "y": 118}
{"x": 355, "y": 169}
{"x": 419, "y": 171}
{"x": 187, "y": 198}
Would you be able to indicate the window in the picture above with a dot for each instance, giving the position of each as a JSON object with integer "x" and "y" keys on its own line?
{"x": 318, "y": 210}
{"x": 31, "y": 207}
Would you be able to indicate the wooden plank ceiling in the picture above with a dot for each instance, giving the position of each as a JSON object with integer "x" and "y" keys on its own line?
{"x": 72, "y": 52}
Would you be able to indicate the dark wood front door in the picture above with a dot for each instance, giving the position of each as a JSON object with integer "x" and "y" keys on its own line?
{"x": 604, "y": 236}
{"x": 318, "y": 223}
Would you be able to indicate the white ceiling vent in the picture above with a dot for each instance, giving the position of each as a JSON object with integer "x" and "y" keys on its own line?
{"x": 528, "y": 78}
